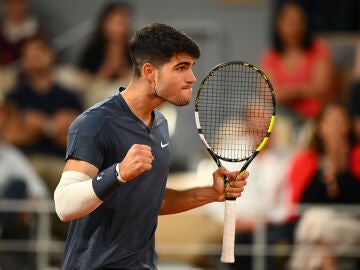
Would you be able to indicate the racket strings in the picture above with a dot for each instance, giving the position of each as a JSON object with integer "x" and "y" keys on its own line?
{"x": 235, "y": 107}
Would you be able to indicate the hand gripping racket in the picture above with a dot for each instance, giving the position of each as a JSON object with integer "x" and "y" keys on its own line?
{"x": 234, "y": 114}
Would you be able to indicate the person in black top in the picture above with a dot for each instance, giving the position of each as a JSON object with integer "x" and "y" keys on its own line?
{"x": 337, "y": 177}
{"x": 113, "y": 186}
{"x": 42, "y": 110}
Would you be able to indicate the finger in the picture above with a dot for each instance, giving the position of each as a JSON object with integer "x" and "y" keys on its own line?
{"x": 142, "y": 147}
{"x": 238, "y": 184}
{"x": 145, "y": 153}
{"x": 233, "y": 176}
{"x": 234, "y": 192}
{"x": 141, "y": 150}
{"x": 242, "y": 175}
{"x": 221, "y": 171}
{"x": 145, "y": 159}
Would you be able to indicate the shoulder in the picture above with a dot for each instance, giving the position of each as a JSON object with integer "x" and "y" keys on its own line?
{"x": 320, "y": 47}
{"x": 268, "y": 57}
{"x": 160, "y": 116}
{"x": 89, "y": 122}
{"x": 20, "y": 88}
{"x": 305, "y": 156}
{"x": 94, "y": 119}
{"x": 15, "y": 156}
{"x": 303, "y": 164}
{"x": 11, "y": 151}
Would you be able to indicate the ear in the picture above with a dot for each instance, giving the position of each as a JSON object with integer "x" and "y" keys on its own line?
{"x": 148, "y": 72}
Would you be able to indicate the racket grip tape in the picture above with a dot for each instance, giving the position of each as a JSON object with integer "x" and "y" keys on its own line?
{"x": 227, "y": 255}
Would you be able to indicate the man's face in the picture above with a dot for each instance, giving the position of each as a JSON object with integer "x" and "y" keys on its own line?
{"x": 175, "y": 79}
{"x": 36, "y": 57}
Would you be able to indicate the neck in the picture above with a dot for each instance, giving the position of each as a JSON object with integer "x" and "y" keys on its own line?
{"x": 141, "y": 100}
{"x": 292, "y": 47}
{"x": 17, "y": 20}
{"x": 41, "y": 82}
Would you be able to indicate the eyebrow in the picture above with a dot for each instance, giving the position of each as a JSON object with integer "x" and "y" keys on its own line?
{"x": 187, "y": 63}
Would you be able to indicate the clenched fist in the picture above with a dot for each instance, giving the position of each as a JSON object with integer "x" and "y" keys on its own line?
{"x": 137, "y": 160}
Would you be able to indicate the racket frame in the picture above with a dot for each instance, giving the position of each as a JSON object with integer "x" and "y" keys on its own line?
{"x": 230, "y": 203}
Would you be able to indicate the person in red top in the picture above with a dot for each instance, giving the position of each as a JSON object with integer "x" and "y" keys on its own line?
{"x": 328, "y": 170}
{"x": 298, "y": 64}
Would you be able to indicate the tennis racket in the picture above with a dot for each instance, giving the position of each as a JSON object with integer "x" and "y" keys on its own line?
{"x": 234, "y": 114}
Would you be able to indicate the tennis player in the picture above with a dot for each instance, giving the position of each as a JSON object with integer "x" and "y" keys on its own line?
{"x": 113, "y": 186}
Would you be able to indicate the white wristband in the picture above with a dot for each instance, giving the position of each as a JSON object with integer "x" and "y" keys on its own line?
{"x": 118, "y": 174}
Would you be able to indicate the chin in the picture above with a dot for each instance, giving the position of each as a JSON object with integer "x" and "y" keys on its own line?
{"x": 181, "y": 102}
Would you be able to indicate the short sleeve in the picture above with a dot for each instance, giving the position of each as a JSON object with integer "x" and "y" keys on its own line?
{"x": 268, "y": 59}
{"x": 86, "y": 147}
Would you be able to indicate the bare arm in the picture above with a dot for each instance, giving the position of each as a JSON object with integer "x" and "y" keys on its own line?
{"x": 176, "y": 201}
{"x": 23, "y": 127}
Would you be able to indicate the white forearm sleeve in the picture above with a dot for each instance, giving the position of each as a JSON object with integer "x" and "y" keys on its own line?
{"x": 74, "y": 196}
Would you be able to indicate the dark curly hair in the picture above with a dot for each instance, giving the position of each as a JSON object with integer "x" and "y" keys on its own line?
{"x": 157, "y": 43}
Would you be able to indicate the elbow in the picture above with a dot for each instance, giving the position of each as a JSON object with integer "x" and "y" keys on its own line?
{"x": 62, "y": 215}
{"x": 60, "y": 207}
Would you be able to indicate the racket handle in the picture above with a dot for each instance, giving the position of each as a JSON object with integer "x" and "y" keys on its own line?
{"x": 227, "y": 255}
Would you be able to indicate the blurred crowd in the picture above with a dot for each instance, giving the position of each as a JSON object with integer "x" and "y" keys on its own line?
{"x": 312, "y": 160}
{"x": 313, "y": 157}
{"x": 37, "y": 106}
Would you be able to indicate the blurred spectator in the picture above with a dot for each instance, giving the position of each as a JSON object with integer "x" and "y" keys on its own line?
{"x": 16, "y": 26}
{"x": 105, "y": 60}
{"x": 42, "y": 111}
{"x": 17, "y": 182}
{"x": 327, "y": 172}
{"x": 298, "y": 64}
{"x": 325, "y": 240}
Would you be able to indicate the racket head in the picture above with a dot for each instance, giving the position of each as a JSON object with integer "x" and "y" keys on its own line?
{"x": 235, "y": 111}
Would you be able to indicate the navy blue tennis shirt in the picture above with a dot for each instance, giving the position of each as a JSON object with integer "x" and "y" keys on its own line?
{"x": 120, "y": 233}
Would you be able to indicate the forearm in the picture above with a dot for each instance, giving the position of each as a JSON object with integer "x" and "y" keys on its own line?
{"x": 305, "y": 90}
{"x": 78, "y": 195}
{"x": 17, "y": 134}
{"x": 74, "y": 196}
{"x": 176, "y": 201}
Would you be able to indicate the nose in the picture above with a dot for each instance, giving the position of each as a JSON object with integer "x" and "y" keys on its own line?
{"x": 192, "y": 78}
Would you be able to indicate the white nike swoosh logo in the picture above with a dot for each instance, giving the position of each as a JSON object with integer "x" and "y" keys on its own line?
{"x": 164, "y": 145}
{"x": 99, "y": 177}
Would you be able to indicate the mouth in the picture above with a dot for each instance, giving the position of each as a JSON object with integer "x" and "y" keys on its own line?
{"x": 188, "y": 89}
